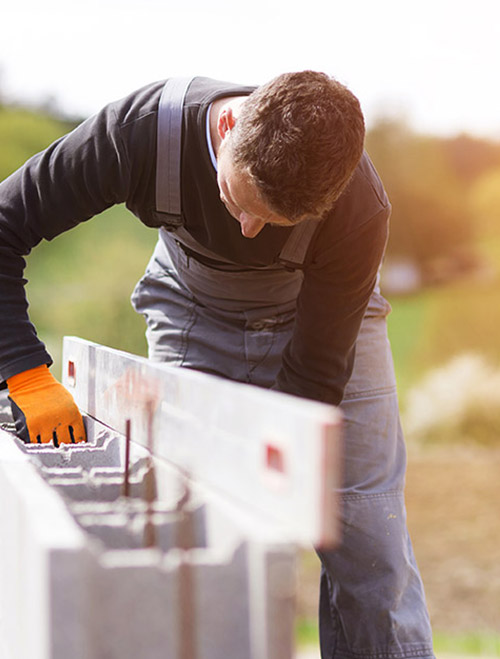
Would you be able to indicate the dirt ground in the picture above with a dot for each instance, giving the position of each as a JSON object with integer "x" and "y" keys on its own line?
{"x": 453, "y": 503}
{"x": 453, "y": 500}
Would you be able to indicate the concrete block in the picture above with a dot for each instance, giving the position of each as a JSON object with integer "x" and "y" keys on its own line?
{"x": 135, "y": 602}
{"x": 107, "y": 451}
{"x": 41, "y": 558}
{"x": 75, "y": 568}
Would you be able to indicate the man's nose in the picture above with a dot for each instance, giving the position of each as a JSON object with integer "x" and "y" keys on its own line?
{"x": 250, "y": 225}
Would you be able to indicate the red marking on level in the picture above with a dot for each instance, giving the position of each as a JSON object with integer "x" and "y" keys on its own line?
{"x": 275, "y": 459}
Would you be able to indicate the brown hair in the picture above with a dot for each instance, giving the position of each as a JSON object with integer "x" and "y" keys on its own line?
{"x": 300, "y": 137}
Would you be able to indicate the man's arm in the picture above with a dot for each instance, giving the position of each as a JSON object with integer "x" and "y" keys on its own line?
{"x": 73, "y": 179}
{"x": 108, "y": 159}
{"x": 318, "y": 361}
{"x": 77, "y": 177}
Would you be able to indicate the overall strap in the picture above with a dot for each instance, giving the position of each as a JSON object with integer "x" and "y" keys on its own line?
{"x": 168, "y": 158}
{"x": 293, "y": 253}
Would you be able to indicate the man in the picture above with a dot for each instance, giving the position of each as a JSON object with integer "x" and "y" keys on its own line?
{"x": 219, "y": 295}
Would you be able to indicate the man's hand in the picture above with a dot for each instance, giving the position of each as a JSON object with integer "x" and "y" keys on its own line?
{"x": 43, "y": 409}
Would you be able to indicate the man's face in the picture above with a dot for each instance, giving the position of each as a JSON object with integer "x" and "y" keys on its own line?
{"x": 241, "y": 197}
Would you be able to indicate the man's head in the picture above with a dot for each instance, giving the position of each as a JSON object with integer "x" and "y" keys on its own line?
{"x": 296, "y": 141}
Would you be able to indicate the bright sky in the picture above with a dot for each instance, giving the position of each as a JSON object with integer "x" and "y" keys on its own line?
{"x": 436, "y": 62}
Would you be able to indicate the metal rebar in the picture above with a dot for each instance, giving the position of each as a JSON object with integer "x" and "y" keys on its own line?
{"x": 150, "y": 413}
{"x": 150, "y": 539}
{"x": 186, "y": 584}
{"x": 126, "y": 475}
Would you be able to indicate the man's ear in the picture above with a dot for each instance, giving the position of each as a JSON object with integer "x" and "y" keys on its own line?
{"x": 226, "y": 121}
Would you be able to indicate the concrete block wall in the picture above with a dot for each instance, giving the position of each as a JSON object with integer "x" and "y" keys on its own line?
{"x": 79, "y": 578}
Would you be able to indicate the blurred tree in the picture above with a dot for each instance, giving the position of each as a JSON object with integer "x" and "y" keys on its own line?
{"x": 2, "y": 93}
{"x": 469, "y": 157}
{"x": 485, "y": 203}
{"x": 23, "y": 133}
{"x": 430, "y": 220}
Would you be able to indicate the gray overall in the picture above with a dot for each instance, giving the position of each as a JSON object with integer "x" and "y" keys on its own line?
{"x": 235, "y": 322}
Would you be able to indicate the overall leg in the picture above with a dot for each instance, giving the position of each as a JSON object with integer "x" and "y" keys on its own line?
{"x": 372, "y": 601}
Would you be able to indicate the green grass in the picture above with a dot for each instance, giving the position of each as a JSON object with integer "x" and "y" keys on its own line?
{"x": 473, "y": 644}
{"x": 429, "y": 328}
{"x": 23, "y": 133}
{"x": 306, "y": 633}
{"x": 406, "y": 324}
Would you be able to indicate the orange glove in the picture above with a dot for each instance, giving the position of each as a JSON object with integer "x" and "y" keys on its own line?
{"x": 43, "y": 409}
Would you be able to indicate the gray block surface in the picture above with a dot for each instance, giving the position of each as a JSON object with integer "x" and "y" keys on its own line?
{"x": 77, "y": 569}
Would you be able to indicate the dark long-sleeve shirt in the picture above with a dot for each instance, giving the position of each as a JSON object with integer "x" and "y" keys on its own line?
{"x": 111, "y": 158}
